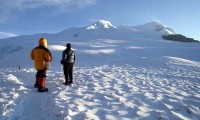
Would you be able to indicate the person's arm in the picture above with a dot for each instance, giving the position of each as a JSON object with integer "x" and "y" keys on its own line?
{"x": 32, "y": 55}
{"x": 63, "y": 58}
{"x": 48, "y": 56}
{"x": 74, "y": 56}
{"x": 63, "y": 55}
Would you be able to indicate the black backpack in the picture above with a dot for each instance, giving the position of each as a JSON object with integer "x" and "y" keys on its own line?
{"x": 69, "y": 56}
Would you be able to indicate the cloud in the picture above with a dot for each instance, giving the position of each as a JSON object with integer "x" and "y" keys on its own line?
{"x": 6, "y": 35}
{"x": 9, "y": 6}
{"x": 156, "y": 20}
{"x": 6, "y": 6}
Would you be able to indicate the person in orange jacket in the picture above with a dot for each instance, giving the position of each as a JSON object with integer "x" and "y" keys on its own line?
{"x": 42, "y": 57}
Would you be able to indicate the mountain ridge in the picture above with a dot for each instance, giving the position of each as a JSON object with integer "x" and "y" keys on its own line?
{"x": 104, "y": 29}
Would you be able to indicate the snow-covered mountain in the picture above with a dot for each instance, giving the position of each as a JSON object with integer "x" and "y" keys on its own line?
{"x": 121, "y": 72}
{"x": 154, "y": 29}
{"x": 155, "y": 26}
{"x": 106, "y": 30}
{"x": 101, "y": 24}
{"x": 103, "y": 29}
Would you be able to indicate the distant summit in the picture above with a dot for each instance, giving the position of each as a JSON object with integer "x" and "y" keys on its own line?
{"x": 101, "y": 24}
{"x": 155, "y": 26}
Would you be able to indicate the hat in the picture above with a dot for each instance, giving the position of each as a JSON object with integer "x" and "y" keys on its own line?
{"x": 68, "y": 46}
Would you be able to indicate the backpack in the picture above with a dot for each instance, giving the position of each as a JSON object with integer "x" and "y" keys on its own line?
{"x": 69, "y": 56}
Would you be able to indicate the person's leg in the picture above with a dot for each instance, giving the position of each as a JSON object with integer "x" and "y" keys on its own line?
{"x": 36, "y": 81}
{"x": 42, "y": 80}
{"x": 66, "y": 72}
{"x": 71, "y": 74}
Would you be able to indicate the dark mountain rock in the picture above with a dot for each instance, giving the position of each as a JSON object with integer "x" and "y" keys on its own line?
{"x": 178, "y": 37}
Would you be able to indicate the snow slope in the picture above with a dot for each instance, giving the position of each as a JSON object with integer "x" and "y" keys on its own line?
{"x": 138, "y": 78}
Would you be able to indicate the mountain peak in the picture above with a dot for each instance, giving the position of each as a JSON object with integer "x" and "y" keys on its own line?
{"x": 155, "y": 26}
{"x": 101, "y": 24}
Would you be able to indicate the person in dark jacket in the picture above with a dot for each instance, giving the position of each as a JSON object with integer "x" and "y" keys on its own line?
{"x": 41, "y": 56}
{"x": 68, "y": 60}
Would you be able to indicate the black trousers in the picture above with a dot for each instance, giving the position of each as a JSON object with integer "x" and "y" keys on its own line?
{"x": 68, "y": 72}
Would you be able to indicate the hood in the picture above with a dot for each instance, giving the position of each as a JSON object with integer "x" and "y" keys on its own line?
{"x": 42, "y": 42}
{"x": 68, "y": 46}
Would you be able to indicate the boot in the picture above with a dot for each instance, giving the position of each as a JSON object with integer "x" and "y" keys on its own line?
{"x": 71, "y": 82}
{"x": 36, "y": 82}
{"x": 41, "y": 87}
{"x": 66, "y": 81}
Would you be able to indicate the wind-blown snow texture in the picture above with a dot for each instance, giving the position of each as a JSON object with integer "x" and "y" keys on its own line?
{"x": 131, "y": 78}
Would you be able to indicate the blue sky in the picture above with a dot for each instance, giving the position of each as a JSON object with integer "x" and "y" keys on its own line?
{"x": 24, "y": 17}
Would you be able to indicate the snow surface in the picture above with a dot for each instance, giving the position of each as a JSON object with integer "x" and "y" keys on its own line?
{"x": 126, "y": 79}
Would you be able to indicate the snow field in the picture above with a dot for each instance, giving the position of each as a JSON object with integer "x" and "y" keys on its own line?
{"x": 110, "y": 92}
{"x": 140, "y": 79}
{"x": 11, "y": 88}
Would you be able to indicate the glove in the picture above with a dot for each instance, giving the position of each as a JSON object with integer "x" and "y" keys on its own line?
{"x": 62, "y": 62}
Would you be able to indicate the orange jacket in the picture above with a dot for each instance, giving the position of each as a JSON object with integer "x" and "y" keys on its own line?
{"x": 41, "y": 55}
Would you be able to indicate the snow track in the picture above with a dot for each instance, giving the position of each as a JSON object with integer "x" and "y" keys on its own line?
{"x": 171, "y": 91}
